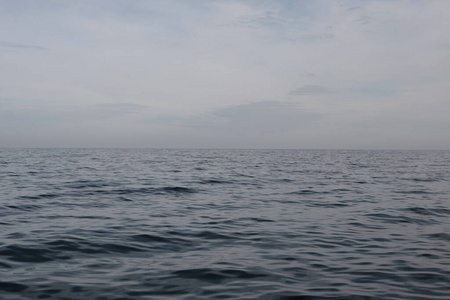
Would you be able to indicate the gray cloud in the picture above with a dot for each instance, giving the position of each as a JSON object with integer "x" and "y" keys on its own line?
{"x": 314, "y": 37}
{"x": 267, "y": 116}
{"x": 107, "y": 111}
{"x": 311, "y": 89}
{"x": 9, "y": 45}
{"x": 178, "y": 73}
{"x": 120, "y": 107}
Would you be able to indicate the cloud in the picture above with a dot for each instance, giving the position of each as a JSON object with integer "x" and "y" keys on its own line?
{"x": 119, "y": 107}
{"x": 293, "y": 73}
{"x": 270, "y": 117}
{"x": 311, "y": 89}
{"x": 378, "y": 89}
{"x": 9, "y": 45}
{"x": 287, "y": 21}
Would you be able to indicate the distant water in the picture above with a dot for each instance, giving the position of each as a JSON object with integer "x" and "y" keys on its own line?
{"x": 224, "y": 224}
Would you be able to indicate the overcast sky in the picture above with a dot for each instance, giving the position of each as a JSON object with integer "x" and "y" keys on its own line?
{"x": 225, "y": 74}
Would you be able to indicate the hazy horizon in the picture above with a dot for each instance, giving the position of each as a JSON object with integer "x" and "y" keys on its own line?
{"x": 362, "y": 75}
{"x": 224, "y": 149}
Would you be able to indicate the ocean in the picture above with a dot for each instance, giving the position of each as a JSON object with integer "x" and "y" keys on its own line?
{"x": 224, "y": 224}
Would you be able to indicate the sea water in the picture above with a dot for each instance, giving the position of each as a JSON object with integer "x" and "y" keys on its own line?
{"x": 224, "y": 224}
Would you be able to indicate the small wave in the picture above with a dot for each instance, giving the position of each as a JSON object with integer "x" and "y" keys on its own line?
{"x": 429, "y": 211}
{"x": 261, "y": 220}
{"x": 146, "y": 190}
{"x": 41, "y": 196}
{"x": 207, "y": 274}
{"x": 24, "y": 254}
{"x": 287, "y": 180}
{"x": 327, "y": 205}
{"x": 210, "y": 235}
{"x": 342, "y": 190}
{"x": 399, "y": 219}
{"x": 12, "y": 287}
{"x": 161, "y": 243}
{"x": 84, "y": 184}
{"x": 118, "y": 248}
{"x": 25, "y": 207}
{"x": 206, "y": 235}
{"x": 178, "y": 189}
{"x": 440, "y": 236}
{"x": 307, "y": 192}
{"x": 432, "y": 278}
{"x": 215, "y": 181}
{"x": 429, "y": 256}
{"x": 416, "y": 192}
{"x": 424, "y": 179}
{"x": 147, "y": 238}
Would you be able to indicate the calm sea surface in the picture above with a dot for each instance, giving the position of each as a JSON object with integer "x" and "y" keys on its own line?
{"x": 224, "y": 224}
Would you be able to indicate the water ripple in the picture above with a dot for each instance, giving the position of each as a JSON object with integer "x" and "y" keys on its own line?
{"x": 224, "y": 224}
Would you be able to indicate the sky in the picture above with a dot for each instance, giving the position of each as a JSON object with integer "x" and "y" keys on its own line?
{"x": 306, "y": 74}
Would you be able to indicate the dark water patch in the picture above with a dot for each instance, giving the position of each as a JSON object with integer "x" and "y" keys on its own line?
{"x": 67, "y": 217}
{"x": 119, "y": 248}
{"x": 216, "y": 181}
{"x": 29, "y": 254}
{"x": 428, "y": 255}
{"x": 429, "y": 211}
{"x": 374, "y": 276}
{"x": 12, "y": 287}
{"x": 440, "y": 236}
{"x": 175, "y": 190}
{"x": 217, "y": 276}
{"x": 366, "y": 226}
{"x": 424, "y": 179}
{"x": 243, "y": 175}
{"x": 307, "y": 192}
{"x": 24, "y": 207}
{"x": 41, "y": 196}
{"x": 210, "y": 235}
{"x": 286, "y": 180}
{"x": 64, "y": 248}
{"x": 16, "y": 235}
{"x": 125, "y": 199}
{"x": 326, "y": 205}
{"x": 341, "y": 190}
{"x": 200, "y": 274}
{"x": 396, "y": 219}
{"x": 431, "y": 278}
{"x": 76, "y": 246}
{"x": 164, "y": 291}
{"x": 314, "y": 294}
{"x": 5, "y": 265}
{"x": 178, "y": 190}
{"x": 86, "y": 184}
{"x": 147, "y": 238}
{"x": 416, "y": 192}
{"x": 262, "y": 220}
{"x": 163, "y": 243}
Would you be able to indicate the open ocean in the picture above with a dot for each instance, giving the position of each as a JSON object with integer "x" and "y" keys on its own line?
{"x": 224, "y": 224}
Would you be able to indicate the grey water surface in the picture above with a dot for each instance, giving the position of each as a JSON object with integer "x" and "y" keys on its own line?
{"x": 224, "y": 224}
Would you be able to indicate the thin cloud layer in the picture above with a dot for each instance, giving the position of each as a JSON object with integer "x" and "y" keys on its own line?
{"x": 311, "y": 89}
{"x": 20, "y": 46}
{"x": 272, "y": 74}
